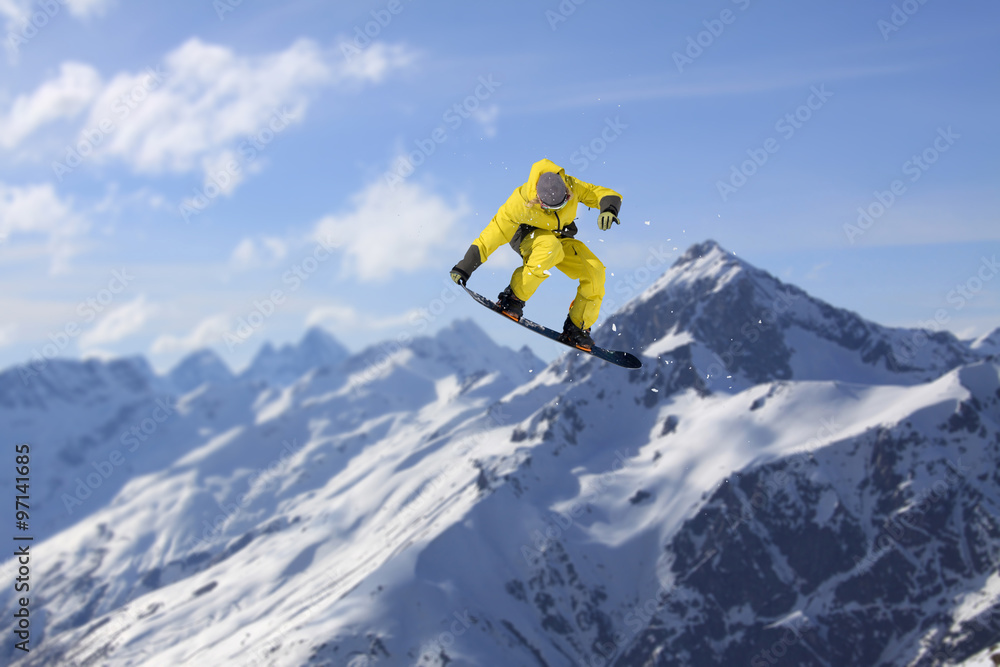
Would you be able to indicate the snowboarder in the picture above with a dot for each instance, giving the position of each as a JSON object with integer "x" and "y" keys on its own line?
{"x": 539, "y": 222}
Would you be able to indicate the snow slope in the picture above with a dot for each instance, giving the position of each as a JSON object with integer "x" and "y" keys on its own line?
{"x": 988, "y": 343}
{"x": 451, "y": 502}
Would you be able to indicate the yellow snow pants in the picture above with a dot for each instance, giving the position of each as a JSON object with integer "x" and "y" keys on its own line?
{"x": 541, "y": 250}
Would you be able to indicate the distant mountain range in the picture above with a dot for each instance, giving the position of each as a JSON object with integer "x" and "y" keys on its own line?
{"x": 783, "y": 482}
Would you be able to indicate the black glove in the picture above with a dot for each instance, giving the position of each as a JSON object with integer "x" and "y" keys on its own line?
{"x": 610, "y": 205}
{"x": 461, "y": 272}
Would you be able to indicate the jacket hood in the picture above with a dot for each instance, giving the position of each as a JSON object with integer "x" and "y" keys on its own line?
{"x": 537, "y": 169}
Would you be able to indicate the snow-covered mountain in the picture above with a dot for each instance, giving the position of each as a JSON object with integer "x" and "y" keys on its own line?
{"x": 988, "y": 344}
{"x": 879, "y": 548}
{"x": 102, "y": 425}
{"x": 317, "y": 349}
{"x": 783, "y": 481}
{"x": 739, "y": 326}
{"x": 198, "y": 368}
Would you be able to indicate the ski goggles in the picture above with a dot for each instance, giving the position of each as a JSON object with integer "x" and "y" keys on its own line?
{"x": 556, "y": 207}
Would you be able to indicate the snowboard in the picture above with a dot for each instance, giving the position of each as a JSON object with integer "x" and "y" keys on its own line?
{"x": 616, "y": 357}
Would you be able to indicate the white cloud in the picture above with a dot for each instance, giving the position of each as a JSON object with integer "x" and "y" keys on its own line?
{"x": 206, "y": 100}
{"x": 217, "y": 171}
{"x": 7, "y": 334}
{"x": 202, "y": 108}
{"x": 339, "y": 317}
{"x": 815, "y": 273}
{"x": 65, "y": 96}
{"x": 99, "y": 355}
{"x": 375, "y": 62}
{"x": 253, "y": 254}
{"x": 25, "y": 18}
{"x": 335, "y": 315}
{"x": 244, "y": 255}
{"x": 209, "y": 331}
{"x": 84, "y": 9}
{"x": 36, "y": 210}
{"x": 15, "y": 9}
{"x": 487, "y": 118}
{"x": 17, "y": 13}
{"x": 202, "y": 99}
{"x": 119, "y": 323}
{"x": 393, "y": 230}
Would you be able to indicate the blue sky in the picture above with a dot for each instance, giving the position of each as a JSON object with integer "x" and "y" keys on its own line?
{"x": 219, "y": 174}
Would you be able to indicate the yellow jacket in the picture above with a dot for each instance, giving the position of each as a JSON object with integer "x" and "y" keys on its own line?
{"x": 522, "y": 208}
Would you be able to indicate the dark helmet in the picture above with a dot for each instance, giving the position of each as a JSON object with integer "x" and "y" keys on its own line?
{"x": 552, "y": 191}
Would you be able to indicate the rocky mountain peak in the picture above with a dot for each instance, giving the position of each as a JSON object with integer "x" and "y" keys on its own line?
{"x": 736, "y": 325}
{"x": 284, "y": 365}
{"x": 197, "y": 368}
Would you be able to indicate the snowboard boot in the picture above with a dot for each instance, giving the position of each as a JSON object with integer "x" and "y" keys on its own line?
{"x": 576, "y": 336}
{"x": 511, "y": 306}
